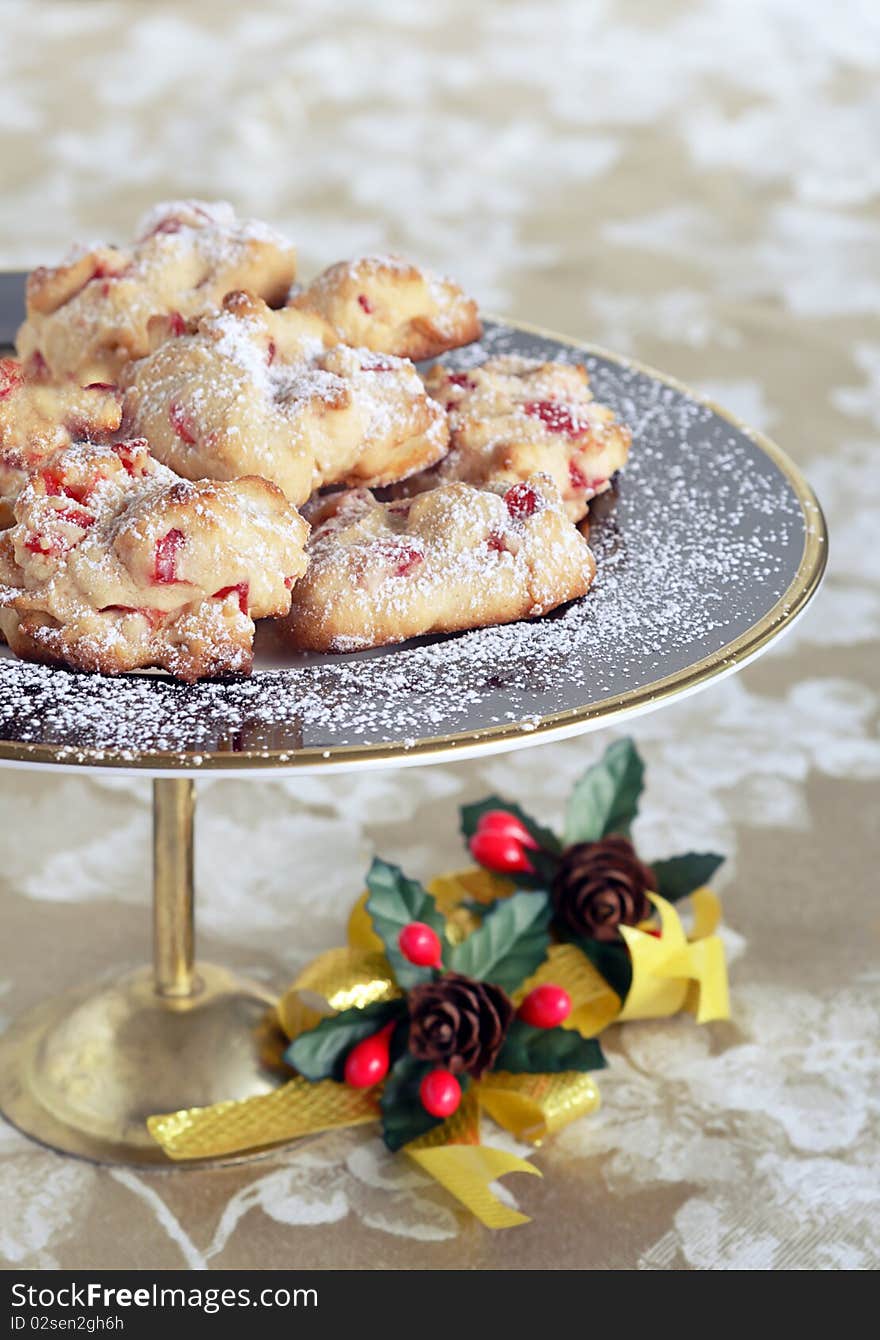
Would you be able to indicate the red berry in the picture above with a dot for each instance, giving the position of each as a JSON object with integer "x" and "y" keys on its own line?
{"x": 365, "y": 304}
{"x": 176, "y": 323}
{"x": 242, "y": 589}
{"x": 581, "y": 481}
{"x": 522, "y": 501}
{"x": 497, "y": 542}
{"x": 546, "y": 1006}
{"x": 440, "y": 1093}
{"x": 407, "y": 559}
{"x": 499, "y": 852}
{"x": 130, "y": 455}
{"x": 180, "y": 423}
{"x": 153, "y": 617}
{"x": 461, "y": 379}
{"x": 502, "y": 821}
{"x": 367, "y": 1063}
{"x": 165, "y": 563}
{"x": 420, "y": 945}
{"x": 76, "y": 517}
{"x": 558, "y": 417}
{"x": 11, "y": 375}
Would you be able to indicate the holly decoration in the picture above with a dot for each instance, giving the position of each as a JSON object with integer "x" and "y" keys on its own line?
{"x": 593, "y": 876}
{"x": 454, "y": 1020}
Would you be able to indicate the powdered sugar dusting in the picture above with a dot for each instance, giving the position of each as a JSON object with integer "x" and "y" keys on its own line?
{"x": 704, "y": 537}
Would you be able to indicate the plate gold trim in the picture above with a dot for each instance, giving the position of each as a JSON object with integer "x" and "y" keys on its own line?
{"x": 558, "y": 725}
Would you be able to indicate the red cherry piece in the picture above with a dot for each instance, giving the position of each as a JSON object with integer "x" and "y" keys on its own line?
{"x": 365, "y": 304}
{"x": 11, "y": 376}
{"x": 176, "y": 323}
{"x": 522, "y": 501}
{"x": 290, "y": 582}
{"x": 576, "y": 475}
{"x": 546, "y": 1006}
{"x": 181, "y": 423}
{"x": 76, "y": 517}
{"x": 557, "y": 417}
{"x": 242, "y": 589}
{"x": 367, "y": 1063}
{"x": 502, "y": 821}
{"x": 581, "y": 481}
{"x": 497, "y": 851}
{"x": 169, "y": 225}
{"x": 407, "y": 560}
{"x": 39, "y": 544}
{"x": 152, "y": 616}
{"x": 126, "y": 453}
{"x": 420, "y": 944}
{"x": 461, "y": 379}
{"x": 165, "y": 563}
{"x": 440, "y": 1093}
{"x": 497, "y": 542}
{"x": 100, "y": 386}
{"x": 270, "y": 353}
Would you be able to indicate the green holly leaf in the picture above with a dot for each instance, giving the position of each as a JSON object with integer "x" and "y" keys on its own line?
{"x": 320, "y": 1053}
{"x": 509, "y": 945}
{"x": 470, "y": 816}
{"x": 393, "y": 903}
{"x": 546, "y": 1051}
{"x": 611, "y": 959}
{"x": 403, "y": 1117}
{"x": 606, "y": 799}
{"x": 680, "y": 875}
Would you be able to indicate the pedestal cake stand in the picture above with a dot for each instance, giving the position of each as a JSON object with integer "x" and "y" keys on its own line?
{"x": 709, "y": 548}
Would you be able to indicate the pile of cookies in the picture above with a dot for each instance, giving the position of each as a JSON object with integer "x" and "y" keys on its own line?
{"x": 190, "y": 441}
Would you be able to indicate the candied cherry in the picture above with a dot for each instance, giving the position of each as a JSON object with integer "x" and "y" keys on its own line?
{"x": 522, "y": 501}
{"x": 406, "y": 560}
{"x": 461, "y": 379}
{"x": 165, "y": 561}
{"x": 181, "y": 424}
{"x": 557, "y": 417}
{"x": 242, "y": 590}
{"x": 11, "y": 376}
{"x": 365, "y": 304}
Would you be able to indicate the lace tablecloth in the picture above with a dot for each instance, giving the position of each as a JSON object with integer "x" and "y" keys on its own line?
{"x": 696, "y": 186}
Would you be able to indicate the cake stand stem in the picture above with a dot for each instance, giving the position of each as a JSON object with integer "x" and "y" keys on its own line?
{"x": 81, "y": 1072}
{"x": 173, "y": 896}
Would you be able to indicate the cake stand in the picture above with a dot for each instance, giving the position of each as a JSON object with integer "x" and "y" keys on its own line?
{"x": 710, "y": 547}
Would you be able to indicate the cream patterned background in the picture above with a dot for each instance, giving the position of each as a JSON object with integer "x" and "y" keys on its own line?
{"x": 693, "y": 183}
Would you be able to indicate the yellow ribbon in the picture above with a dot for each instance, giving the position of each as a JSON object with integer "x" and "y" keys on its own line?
{"x": 674, "y": 971}
{"x": 671, "y": 972}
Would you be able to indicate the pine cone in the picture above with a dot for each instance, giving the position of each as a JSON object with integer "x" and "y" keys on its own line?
{"x": 458, "y": 1023}
{"x": 600, "y": 886}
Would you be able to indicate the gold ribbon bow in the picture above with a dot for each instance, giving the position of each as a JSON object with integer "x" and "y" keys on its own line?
{"x": 670, "y": 973}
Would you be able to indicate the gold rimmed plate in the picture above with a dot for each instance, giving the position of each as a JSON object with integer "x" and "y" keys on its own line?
{"x": 710, "y": 547}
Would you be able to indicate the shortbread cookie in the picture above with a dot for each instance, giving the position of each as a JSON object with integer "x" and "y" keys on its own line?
{"x": 251, "y": 391}
{"x": 387, "y": 304}
{"x": 511, "y": 416}
{"x": 38, "y": 418}
{"x": 114, "y": 564}
{"x": 454, "y": 558}
{"x": 88, "y": 316}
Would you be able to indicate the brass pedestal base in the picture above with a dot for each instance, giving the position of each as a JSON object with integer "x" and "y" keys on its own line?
{"x": 83, "y": 1071}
